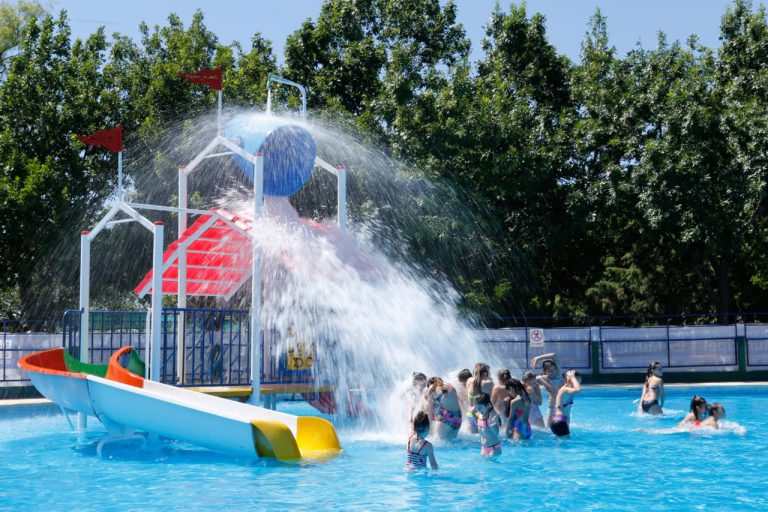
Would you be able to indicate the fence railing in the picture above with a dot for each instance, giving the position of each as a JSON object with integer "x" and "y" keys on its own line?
{"x": 216, "y": 346}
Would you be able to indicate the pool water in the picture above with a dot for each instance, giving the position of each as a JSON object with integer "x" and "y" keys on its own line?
{"x": 615, "y": 460}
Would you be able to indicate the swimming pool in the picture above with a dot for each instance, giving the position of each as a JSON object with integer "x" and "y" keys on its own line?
{"x": 615, "y": 460}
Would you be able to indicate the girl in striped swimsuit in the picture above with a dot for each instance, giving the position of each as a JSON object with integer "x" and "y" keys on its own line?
{"x": 418, "y": 449}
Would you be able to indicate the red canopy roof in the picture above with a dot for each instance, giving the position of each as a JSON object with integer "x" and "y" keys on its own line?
{"x": 218, "y": 258}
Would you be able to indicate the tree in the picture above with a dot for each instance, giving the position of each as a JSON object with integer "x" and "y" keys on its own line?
{"x": 13, "y": 19}
{"x": 53, "y": 90}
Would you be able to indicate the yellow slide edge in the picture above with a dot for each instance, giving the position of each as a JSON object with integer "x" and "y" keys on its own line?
{"x": 316, "y": 437}
{"x": 274, "y": 439}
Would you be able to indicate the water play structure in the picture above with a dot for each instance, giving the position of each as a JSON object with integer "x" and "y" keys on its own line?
{"x": 215, "y": 256}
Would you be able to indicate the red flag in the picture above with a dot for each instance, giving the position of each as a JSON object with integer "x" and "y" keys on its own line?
{"x": 209, "y": 77}
{"x": 111, "y": 139}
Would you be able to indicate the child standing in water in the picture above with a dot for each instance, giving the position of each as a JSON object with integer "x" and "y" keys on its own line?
{"x": 418, "y": 449}
{"x": 551, "y": 380}
{"x": 461, "y": 390}
{"x": 519, "y": 426}
{"x": 652, "y": 399}
{"x": 442, "y": 405}
{"x": 501, "y": 396}
{"x": 479, "y": 383}
{"x": 559, "y": 424}
{"x": 488, "y": 425}
{"x": 534, "y": 391}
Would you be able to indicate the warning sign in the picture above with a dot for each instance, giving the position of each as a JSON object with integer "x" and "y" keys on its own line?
{"x": 536, "y": 337}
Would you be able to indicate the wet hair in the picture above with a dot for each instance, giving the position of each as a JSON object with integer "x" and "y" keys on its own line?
{"x": 503, "y": 375}
{"x": 715, "y": 407}
{"x": 517, "y": 386}
{"x": 649, "y": 371}
{"x": 464, "y": 375}
{"x": 439, "y": 382}
{"x": 421, "y": 423}
{"x": 529, "y": 375}
{"x": 547, "y": 363}
{"x": 418, "y": 376}
{"x": 697, "y": 401}
{"x": 477, "y": 377}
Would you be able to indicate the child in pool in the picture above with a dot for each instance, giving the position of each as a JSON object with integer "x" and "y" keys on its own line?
{"x": 534, "y": 391}
{"x": 418, "y": 449}
{"x": 461, "y": 390}
{"x": 519, "y": 426}
{"x": 559, "y": 423}
{"x": 716, "y": 413}
{"x": 488, "y": 423}
{"x": 652, "y": 399}
{"x": 414, "y": 395}
{"x": 697, "y": 413}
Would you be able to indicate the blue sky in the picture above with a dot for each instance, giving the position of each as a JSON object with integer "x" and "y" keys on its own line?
{"x": 629, "y": 22}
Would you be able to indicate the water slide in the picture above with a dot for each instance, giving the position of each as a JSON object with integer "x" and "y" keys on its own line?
{"x": 124, "y": 401}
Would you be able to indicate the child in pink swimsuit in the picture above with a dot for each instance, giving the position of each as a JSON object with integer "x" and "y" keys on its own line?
{"x": 488, "y": 424}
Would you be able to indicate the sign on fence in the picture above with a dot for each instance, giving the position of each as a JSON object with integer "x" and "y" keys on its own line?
{"x": 536, "y": 337}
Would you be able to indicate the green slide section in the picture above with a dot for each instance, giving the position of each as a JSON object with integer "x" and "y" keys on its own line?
{"x": 135, "y": 364}
{"x": 75, "y": 366}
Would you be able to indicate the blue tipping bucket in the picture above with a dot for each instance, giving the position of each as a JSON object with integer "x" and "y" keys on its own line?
{"x": 289, "y": 151}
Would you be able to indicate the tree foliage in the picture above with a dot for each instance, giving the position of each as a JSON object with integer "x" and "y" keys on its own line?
{"x": 614, "y": 185}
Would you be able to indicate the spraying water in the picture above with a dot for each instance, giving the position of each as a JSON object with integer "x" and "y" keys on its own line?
{"x": 375, "y": 319}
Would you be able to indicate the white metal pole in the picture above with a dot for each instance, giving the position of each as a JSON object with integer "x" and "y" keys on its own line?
{"x": 258, "y": 198}
{"x": 341, "y": 197}
{"x": 182, "y": 292}
{"x": 120, "y": 192}
{"x": 157, "y": 301}
{"x": 85, "y": 307}
{"x": 218, "y": 116}
{"x": 147, "y": 342}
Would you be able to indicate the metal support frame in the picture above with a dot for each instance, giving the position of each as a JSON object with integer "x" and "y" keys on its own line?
{"x": 85, "y": 286}
{"x": 158, "y": 267}
{"x": 280, "y": 80}
{"x": 157, "y": 302}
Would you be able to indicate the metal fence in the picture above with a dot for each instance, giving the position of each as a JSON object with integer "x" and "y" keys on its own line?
{"x": 216, "y": 346}
{"x": 512, "y": 349}
{"x": 712, "y": 347}
{"x": 208, "y": 347}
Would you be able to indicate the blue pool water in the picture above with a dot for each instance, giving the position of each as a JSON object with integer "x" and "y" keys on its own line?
{"x": 615, "y": 460}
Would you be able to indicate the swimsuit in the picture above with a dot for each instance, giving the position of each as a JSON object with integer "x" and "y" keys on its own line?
{"x": 491, "y": 451}
{"x": 646, "y": 405}
{"x": 450, "y": 418}
{"x": 483, "y": 425}
{"x": 415, "y": 460}
{"x": 523, "y": 427}
{"x": 471, "y": 415}
{"x": 559, "y": 423}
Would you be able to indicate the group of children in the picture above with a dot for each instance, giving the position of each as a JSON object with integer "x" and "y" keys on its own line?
{"x": 507, "y": 409}
{"x": 701, "y": 414}
{"x": 511, "y": 407}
